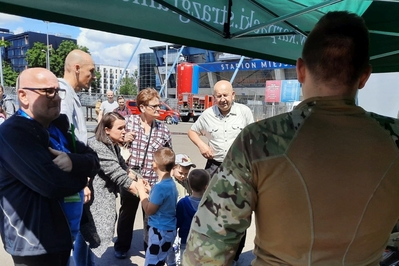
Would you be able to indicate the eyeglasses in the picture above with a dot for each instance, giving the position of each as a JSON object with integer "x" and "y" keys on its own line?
{"x": 154, "y": 106}
{"x": 50, "y": 92}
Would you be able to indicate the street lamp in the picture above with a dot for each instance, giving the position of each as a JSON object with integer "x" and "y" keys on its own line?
{"x": 1, "y": 66}
{"x": 166, "y": 71}
{"x": 48, "y": 50}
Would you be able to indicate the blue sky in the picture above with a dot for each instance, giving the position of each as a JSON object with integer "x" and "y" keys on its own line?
{"x": 105, "y": 48}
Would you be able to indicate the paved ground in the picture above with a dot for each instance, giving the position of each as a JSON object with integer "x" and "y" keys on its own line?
{"x": 181, "y": 144}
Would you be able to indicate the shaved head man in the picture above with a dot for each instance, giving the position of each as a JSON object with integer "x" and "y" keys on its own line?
{"x": 79, "y": 72}
{"x": 41, "y": 167}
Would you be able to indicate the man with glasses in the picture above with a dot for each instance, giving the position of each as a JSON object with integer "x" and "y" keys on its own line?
{"x": 122, "y": 109}
{"x": 42, "y": 170}
{"x": 107, "y": 106}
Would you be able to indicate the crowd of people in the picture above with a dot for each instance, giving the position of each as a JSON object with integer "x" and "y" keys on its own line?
{"x": 321, "y": 180}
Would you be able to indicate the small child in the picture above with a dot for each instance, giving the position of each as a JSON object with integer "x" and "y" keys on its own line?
{"x": 180, "y": 172}
{"x": 160, "y": 206}
{"x": 198, "y": 180}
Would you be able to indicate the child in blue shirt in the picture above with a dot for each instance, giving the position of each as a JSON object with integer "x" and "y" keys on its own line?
{"x": 198, "y": 180}
{"x": 160, "y": 206}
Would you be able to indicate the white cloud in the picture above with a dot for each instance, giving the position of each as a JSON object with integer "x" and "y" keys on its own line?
{"x": 113, "y": 49}
{"x": 6, "y": 18}
{"x": 85, "y": 40}
{"x": 18, "y": 30}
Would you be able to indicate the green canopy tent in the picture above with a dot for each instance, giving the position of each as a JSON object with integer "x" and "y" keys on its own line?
{"x": 266, "y": 29}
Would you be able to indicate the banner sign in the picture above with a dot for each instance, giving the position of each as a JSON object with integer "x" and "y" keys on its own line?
{"x": 273, "y": 91}
{"x": 290, "y": 90}
{"x": 255, "y": 64}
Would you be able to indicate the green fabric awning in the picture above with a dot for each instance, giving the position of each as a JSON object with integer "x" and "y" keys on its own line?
{"x": 265, "y": 29}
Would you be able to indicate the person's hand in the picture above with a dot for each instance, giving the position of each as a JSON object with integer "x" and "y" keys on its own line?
{"x": 62, "y": 160}
{"x": 143, "y": 186}
{"x": 130, "y": 136}
{"x": 132, "y": 175}
{"x": 147, "y": 186}
{"x": 133, "y": 188}
{"x": 87, "y": 194}
{"x": 206, "y": 151}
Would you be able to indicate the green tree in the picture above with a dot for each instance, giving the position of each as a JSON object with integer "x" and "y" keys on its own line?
{"x": 36, "y": 56}
{"x": 129, "y": 85}
{"x": 9, "y": 75}
{"x": 4, "y": 43}
{"x": 95, "y": 84}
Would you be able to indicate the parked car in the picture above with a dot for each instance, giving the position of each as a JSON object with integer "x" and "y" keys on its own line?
{"x": 166, "y": 112}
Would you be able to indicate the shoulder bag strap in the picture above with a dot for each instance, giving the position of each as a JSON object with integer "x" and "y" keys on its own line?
{"x": 148, "y": 143}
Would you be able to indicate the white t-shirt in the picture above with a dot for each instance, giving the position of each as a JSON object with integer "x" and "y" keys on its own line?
{"x": 107, "y": 107}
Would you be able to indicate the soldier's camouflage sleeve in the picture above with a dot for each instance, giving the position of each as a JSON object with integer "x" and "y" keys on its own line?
{"x": 225, "y": 210}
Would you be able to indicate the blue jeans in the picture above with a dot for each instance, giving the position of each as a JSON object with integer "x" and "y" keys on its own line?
{"x": 82, "y": 255}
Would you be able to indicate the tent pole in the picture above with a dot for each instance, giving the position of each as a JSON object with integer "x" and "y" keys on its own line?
{"x": 236, "y": 70}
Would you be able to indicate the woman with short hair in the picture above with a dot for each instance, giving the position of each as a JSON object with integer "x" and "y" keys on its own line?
{"x": 149, "y": 135}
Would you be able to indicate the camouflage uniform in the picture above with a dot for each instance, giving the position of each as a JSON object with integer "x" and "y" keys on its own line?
{"x": 322, "y": 181}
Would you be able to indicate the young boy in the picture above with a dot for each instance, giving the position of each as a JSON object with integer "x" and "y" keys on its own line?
{"x": 179, "y": 174}
{"x": 198, "y": 180}
{"x": 160, "y": 206}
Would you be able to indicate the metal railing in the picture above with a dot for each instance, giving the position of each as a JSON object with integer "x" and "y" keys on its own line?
{"x": 260, "y": 110}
